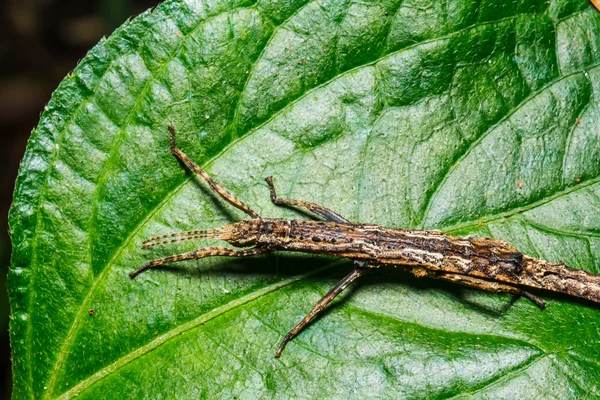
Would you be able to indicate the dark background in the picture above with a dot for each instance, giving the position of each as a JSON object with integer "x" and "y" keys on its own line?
{"x": 40, "y": 42}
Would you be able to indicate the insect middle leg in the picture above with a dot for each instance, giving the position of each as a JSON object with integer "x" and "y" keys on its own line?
{"x": 197, "y": 254}
{"x": 359, "y": 270}
{"x": 326, "y": 213}
{"x": 494, "y": 287}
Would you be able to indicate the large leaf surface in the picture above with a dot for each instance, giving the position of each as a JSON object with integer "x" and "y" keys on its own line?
{"x": 477, "y": 118}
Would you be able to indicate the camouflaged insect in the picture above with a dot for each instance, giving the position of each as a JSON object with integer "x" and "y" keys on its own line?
{"x": 483, "y": 263}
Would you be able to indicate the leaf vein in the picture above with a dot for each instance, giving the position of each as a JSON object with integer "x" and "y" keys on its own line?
{"x": 71, "y": 333}
{"x": 523, "y": 368}
{"x": 183, "y": 328}
{"x": 438, "y": 186}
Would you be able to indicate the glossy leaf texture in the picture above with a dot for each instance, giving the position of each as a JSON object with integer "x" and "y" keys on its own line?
{"x": 474, "y": 117}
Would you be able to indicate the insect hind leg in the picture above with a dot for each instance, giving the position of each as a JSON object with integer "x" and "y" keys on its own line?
{"x": 494, "y": 287}
{"x": 214, "y": 185}
{"x": 326, "y": 213}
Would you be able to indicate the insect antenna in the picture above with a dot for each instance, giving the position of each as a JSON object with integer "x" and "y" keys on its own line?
{"x": 181, "y": 237}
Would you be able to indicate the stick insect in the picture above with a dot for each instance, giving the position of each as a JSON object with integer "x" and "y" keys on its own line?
{"x": 488, "y": 264}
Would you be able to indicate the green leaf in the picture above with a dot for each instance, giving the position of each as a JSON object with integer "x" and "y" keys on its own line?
{"x": 478, "y": 118}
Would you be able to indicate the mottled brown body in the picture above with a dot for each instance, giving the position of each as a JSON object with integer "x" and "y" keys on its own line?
{"x": 425, "y": 253}
{"x": 378, "y": 245}
{"x": 484, "y": 263}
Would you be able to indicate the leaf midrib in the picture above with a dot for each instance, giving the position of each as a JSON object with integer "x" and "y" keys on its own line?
{"x": 200, "y": 320}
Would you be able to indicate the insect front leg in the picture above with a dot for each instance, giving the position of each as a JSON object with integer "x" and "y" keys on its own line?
{"x": 214, "y": 185}
{"x": 197, "y": 254}
{"x": 326, "y": 213}
{"x": 359, "y": 270}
